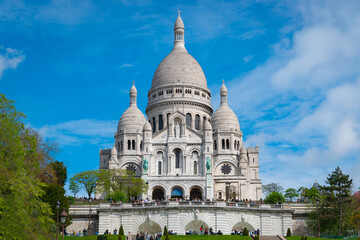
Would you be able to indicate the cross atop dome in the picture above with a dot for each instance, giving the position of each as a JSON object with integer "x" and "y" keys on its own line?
{"x": 179, "y": 12}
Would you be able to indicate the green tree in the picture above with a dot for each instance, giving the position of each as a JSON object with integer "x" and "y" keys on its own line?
{"x": 74, "y": 188}
{"x": 288, "y": 234}
{"x": 246, "y": 232}
{"x": 86, "y": 180}
{"x": 23, "y": 157}
{"x": 60, "y": 172}
{"x": 311, "y": 194}
{"x": 119, "y": 184}
{"x": 291, "y": 193}
{"x": 121, "y": 233}
{"x": 337, "y": 197}
{"x": 272, "y": 187}
{"x": 274, "y": 197}
{"x": 165, "y": 231}
{"x": 355, "y": 215}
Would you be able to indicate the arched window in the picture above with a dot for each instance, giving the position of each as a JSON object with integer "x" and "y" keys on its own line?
{"x": 238, "y": 145}
{"x": 154, "y": 124}
{"x": 133, "y": 144}
{"x": 121, "y": 146}
{"x": 177, "y": 158}
{"x": 118, "y": 146}
{"x": 235, "y": 145}
{"x": 161, "y": 122}
{"x": 215, "y": 145}
{"x": 141, "y": 146}
{"x": 227, "y": 144}
{"x": 204, "y": 120}
{"x": 159, "y": 168}
{"x": 197, "y": 122}
{"x": 188, "y": 120}
{"x": 167, "y": 119}
{"x": 129, "y": 145}
{"x": 223, "y": 144}
{"x": 195, "y": 167}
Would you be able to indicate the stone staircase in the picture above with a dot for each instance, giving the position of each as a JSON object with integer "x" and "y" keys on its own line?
{"x": 277, "y": 237}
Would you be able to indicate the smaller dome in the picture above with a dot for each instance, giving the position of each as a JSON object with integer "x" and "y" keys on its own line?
{"x": 207, "y": 126}
{"x": 147, "y": 126}
{"x": 131, "y": 119}
{"x": 113, "y": 150}
{"x": 179, "y": 22}
{"x": 223, "y": 89}
{"x": 225, "y": 119}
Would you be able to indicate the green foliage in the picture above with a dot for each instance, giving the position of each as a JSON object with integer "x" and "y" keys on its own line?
{"x": 74, "y": 187}
{"x": 119, "y": 180}
{"x": 271, "y": 187}
{"x": 245, "y": 232}
{"x": 274, "y": 197}
{"x": 291, "y": 193}
{"x": 288, "y": 234}
{"x": 60, "y": 172}
{"x": 256, "y": 237}
{"x": 302, "y": 238}
{"x": 311, "y": 194}
{"x": 86, "y": 180}
{"x": 117, "y": 196}
{"x": 355, "y": 215}
{"x": 53, "y": 193}
{"x": 102, "y": 237}
{"x": 23, "y": 157}
{"x": 305, "y": 238}
{"x": 121, "y": 231}
{"x": 167, "y": 237}
{"x": 165, "y": 231}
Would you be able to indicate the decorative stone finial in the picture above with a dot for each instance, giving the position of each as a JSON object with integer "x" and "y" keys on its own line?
{"x": 178, "y": 11}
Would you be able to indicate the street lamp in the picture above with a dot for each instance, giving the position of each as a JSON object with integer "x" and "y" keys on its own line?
{"x": 57, "y": 219}
{"x": 88, "y": 231}
{"x": 227, "y": 190}
{"x": 63, "y": 217}
{"x": 318, "y": 217}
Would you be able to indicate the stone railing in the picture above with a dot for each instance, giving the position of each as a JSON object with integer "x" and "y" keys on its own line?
{"x": 193, "y": 203}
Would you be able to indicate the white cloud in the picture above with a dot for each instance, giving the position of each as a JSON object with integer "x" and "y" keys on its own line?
{"x": 303, "y": 104}
{"x": 248, "y": 58}
{"x": 126, "y": 65}
{"x": 79, "y": 132}
{"x": 10, "y": 59}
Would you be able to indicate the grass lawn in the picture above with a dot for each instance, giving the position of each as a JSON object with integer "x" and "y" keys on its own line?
{"x": 310, "y": 238}
{"x": 180, "y": 237}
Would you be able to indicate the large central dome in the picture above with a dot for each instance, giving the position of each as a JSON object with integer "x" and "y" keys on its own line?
{"x": 179, "y": 67}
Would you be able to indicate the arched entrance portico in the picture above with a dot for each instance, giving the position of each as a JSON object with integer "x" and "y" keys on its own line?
{"x": 177, "y": 192}
{"x": 242, "y": 225}
{"x": 195, "y": 194}
{"x": 150, "y": 227}
{"x": 158, "y": 194}
{"x": 195, "y": 225}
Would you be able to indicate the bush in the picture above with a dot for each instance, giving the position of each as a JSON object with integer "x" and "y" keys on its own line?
{"x": 165, "y": 231}
{"x": 167, "y": 237}
{"x": 121, "y": 233}
{"x": 102, "y": 237}
{"x": 257, "y": 237}
{"x": 245, "y": 232}
{"x": 117, "y": 196}
{"x": 305, "y": 238}
{"x": 274, "y": 197}
{"x": 302, "y": 237}
{"x": 288, "y": 234}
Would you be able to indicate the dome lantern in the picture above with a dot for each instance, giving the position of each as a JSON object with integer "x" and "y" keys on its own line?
{"x": 133, "y": 94}
{"x": 179, "y": 30}
{"x": 223, "y": 93}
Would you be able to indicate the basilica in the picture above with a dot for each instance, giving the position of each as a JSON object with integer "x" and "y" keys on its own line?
{"x": 183, "y": 149}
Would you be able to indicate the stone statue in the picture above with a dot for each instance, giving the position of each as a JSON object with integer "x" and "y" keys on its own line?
{"x": 145, "y": 165}
{"x": 196, "y": 214}
{"x": 177, "y": 130}
{"x": 208, "y": 164}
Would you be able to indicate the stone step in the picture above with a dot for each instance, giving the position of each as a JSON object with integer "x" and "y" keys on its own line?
{"x": 269, "y": 238}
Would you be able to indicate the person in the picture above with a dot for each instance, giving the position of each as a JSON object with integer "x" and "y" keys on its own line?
{"x": 115, "y": 231}
{"x": 129, "y": 236}
{"x": 84, "y": 232}
{"x": 219, "y": 232}
{"x": 201, "y": 229}
{"x": 106, "y": 232}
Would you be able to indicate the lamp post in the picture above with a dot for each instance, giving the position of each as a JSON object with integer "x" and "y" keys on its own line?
{"x": 57, "y": 219}
{"x": 88, "y": 231}
{"x": 227, "y": 190}
{"x": 63, "y": 217}
{"x": 318, "y": 217}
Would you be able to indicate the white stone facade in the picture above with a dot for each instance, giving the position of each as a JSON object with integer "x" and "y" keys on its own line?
{"x": 183, "y": 150}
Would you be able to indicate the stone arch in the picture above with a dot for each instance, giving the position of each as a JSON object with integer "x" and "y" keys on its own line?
{"x": 158, "y": 193}
{"x": 196, "y": 193}
{"x": 150, "y": 227}
{"x": 177, "y": 191}
{"x": 242, "y": 225}
{"x": 179, "y": 157}
{"x": 195, "y": 225}
{"x": 220, "y": 171}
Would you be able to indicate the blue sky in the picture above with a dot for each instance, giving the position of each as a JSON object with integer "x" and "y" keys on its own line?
{"x": 291, "y": 67}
